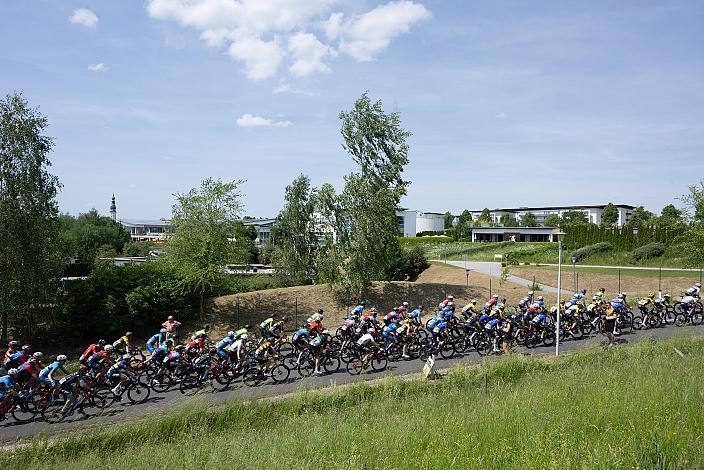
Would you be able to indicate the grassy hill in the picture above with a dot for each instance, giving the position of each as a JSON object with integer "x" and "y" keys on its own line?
{"x": 630, "y": 407}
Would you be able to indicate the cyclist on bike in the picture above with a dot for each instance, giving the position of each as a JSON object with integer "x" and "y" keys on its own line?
{"x": 69, "y": 385}
{"x": 697, "y": 290}
{"x": 100, "y": 361}
{"x": 315, "y": 346}
{"x": 124, "y": 343}
{"x": 172, "y": 360}
{"x": 46, "y": 375}
{"x": 416, "y": 315}
{"x": 316, "y": 317}
{"x": 224, "y": 343}
{"x": 195, "y": 346}
{"x": 389, "y": 332}
{"x": 300, "y": 341}
{"x": 391, "y": 316}
{"x": 12, "y": 348}
{"x": 243, "y": 331}
{"x": 156, "y": 340}
{"x": 202, "y": 333}
{"x": 161, "y": 352}
{"x": 469, "y": 309}
{"x": 119, "y": 372}
{"x": 525, "y": 302}
{"x": 237, "y": 349}
{"x": 358, "y": 310}
{"x": 29, "y": 371}
{"x": 540, "y": 303}
{"x": 276, "y": 329}
{"x": 19, "y": 358}
{"x": 366, "y": 345}
{"x": 490, "y": 304}
{"x": 8, "y": 386}
{"x": 492, "y": 330}
{"x": 90, "y": 350}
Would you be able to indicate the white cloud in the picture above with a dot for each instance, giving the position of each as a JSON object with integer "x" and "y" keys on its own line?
{"x": 370, "y": 33}
{"x": 101, "y": 67}
{"x": 284, "y": 87}
{"x": 248, "y": 120}
{"x": 261, "y": 58}
{"x": 264, "y": 33}
{"x": 308, "y": 54}
{"x": 84, "y": 17}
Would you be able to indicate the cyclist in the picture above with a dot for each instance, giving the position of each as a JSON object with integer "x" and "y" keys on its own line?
{"x": 100, "y": 360}
{"x": 202, "y": 333}
{"x": 69, "y": 385}
{"x": 492, "y": 330}
{"x": 224, "y": 343}
{"x": 276, "y": 329}
{"x": 162, "y": 351}
{"x": 358, "y": 310}
{"x": 12, "y": 348}
{"x": 264, "y": 327}
{"x": 300, "y": 341}
{"x": 391, "y": 316}
{"x": 172, "y": 360}
{"x": 8, "y": 386}
{"x": 490, "y": 304}
{"x": 366, "y": 345}
{"x": 46, "y": 375}
{"x": 124, "y": 343}
{"x": 389, "y": 332}
{"x": 29, "y": 370}
{"x": 416, "y": 315}
{"x": 195, "y": 346}
{"x": 119, "y": 372}
{"x": 315, "y": 346}
{"x": 90, "y": 350}
{"x": 237, "y": 349}
{"x": 525, "y": 302}
{"x": 697, "y": 289}
{"x": 156, "y": 340}
{"x": 19, "y": 358}
{"x": 243, "y": 331}
{"x": 316, "y": 317}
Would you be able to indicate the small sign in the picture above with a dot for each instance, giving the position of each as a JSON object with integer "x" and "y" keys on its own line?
{"x": 429, "y": 367}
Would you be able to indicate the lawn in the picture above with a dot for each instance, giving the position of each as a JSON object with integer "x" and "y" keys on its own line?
{"x": 627, "y": 407}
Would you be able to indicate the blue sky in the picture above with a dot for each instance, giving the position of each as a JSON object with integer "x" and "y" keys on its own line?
{"x": 510, "y": 102}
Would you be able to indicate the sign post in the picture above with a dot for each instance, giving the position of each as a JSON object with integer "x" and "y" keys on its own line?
{"x": 429, "y": 368}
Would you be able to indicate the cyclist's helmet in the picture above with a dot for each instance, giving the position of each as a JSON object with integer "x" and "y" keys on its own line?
{"x": 421, "y": 307}
{"x": 247, "y": 326}
{"x": 531, "y": 292}
{"x": 623, "y": 294}
{"x": 13, "y": 344}
{"x": 170, "y": 318}
{"x": 163, "y": 330}
{"x": 405, "y": 304}
{"x": 244, "y": 336}
{"x": 12, "y": 371}
{"x": 284, "y": 318}
{"x": 494, "y": 296}
{"x": 231, "y": 334}
{"x": 180, "y": 347}
{"x": 129, "y": 333}
{"x": 450, "y": 297}
{"x": 583, "y": 291}
{"x": 651, "y": 294}
{"x": 320, "y": 311}
{"x": 601, "y": 289}
{"x": 169, "y": 343}
{"x": 540, "y": 297}
{"x": 363, "y": 303}
{"x": 206, "y": 327}
{"x": 109, "y": 347}
{"x": 61, "y": 357}
{"x": 26, "y": 347}
{"x": 698, "y": 284}
{"x": 37, "y": 355}
{"x": 101, "y": 342}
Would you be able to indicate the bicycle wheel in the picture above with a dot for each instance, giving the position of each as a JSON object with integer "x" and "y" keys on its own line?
{"x": 549, "y": 338}
{"x": 655, "y": 321}
{"x": 253, "y": 377}
{"x": 93, "y": 405}
{"x": 697, "y": 318}
{"x": 331, "y": 364}
{"x": 447, "y": 350}
{"x": 138, "y": 392}
{"x": 354, "y": 367}
{"x": 190, "y": 385}
{"x": 380, "y": 362}
{"x": 668, "y": 317}
{"x": 221, "y": 378}
{"x": 577, "y": 332}
{"x": 53, "y": 412}
{"x": 24, "y": 411}
{"x": 280, "y": 373}
{"x": 285, "y": 348}
{"x": 161, "y": 383}
{"x": 680, "y": 319}
{"x": 483, "y": 346}
{"x": 306, "y": 366}
{"x": 394, "y": 352}
{"x": 637, "y": 323}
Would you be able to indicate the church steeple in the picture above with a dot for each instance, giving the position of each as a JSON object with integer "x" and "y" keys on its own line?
{"x": 113, "y": 209}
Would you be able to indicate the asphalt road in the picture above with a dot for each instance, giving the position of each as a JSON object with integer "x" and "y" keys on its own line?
{"x": 11, "y": 432}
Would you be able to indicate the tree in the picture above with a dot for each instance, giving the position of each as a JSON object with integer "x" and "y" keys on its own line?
{"x": 529, "y": 220}
{"x": 296, "y": 240}
{"x": 640, "y": 216}
{"x": 80, "y": 237}
{"x": 609, "y": 216}
{"x": 449, "y": 218}
{"x": 671, "y": 212}
{"x": 205, "y": 220}
{"x": 368, "y": 245}
{"x": 485, "y": 216}
{"x": 574, "y": 217}
{"x": 463, "y": 231}
{"x": 508, "y": 221}
{"x": 694, "y": 202}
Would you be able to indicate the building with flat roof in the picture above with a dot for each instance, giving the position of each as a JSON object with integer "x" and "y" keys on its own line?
{"x": 412, "y": 222}
{"x": 263, "y": 228}
{"x": 149, "y": 230}
{"x": 514, "y": 234}
{"x": 593, "y": 213}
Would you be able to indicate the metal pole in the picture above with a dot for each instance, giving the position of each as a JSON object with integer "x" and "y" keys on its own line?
{"x": 660, "y": 281}
{"x": 619, "y": 281}
{"x": 574, "y": 273}
{"x": 296, "y": 307}
{"x": 238, "y": 315}
{"x": 577, "y": 282}
{"x": 489, "y": 287}
{"x": 559, "y": 280}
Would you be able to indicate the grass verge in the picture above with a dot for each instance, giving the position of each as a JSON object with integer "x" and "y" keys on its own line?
{"x": 635, "y": 407}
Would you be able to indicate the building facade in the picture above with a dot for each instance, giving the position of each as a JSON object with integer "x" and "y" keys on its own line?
{"x": 412, "y": 222}
{"x": 514, "y": 234}
{"x": 593, "y": 213}
{"x": 149, "y": 230}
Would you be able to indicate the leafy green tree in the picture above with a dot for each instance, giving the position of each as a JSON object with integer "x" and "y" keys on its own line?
{"x": 80, "y": 237}
{"x": 552, "y": 220}
{"x": 671, "y": 212}
{"x": 448, "y": 219}
{"x": 29, "y": 259}
{"x": 485, "y": 216}
{"x": 574, "y": 217}
{"x": 134, "y": 249}
{"x": 609, "y": 216}
{"x": 694, "y": 202}
{"x": 529, "y": 220}
{"x": 640, "y": 216}
{"x": 296, "y": 239}
{"x": 244, "y": 248}
{"x": 463, "y": 231}
{"x": 508, "y": 221}
{"x": 205, "y": 219}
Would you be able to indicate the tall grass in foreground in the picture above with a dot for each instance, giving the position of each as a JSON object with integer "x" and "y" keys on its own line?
{"x": 624, "y": 408}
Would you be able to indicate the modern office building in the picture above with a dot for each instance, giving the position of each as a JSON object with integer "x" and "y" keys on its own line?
{"x": 514, "y": 234}
{"x": 412, "y": 222}
{"x": 593, "y": 213}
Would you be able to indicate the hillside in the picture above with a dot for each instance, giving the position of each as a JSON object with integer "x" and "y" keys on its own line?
{"x": 631, "y": 407}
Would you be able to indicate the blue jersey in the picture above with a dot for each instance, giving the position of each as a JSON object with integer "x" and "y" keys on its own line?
{"x": 51, "y": 369}
{"x": 442, "y": 326}
{"x": 300, "y": 333}
{"x": 415, "y": 314}
{"x": 491, "y": 324}
{"x": 539, "y": 318}
{"x": 156, "y": 340}
{"x": 7, "y": 382}
{"x": 225, "y": 342}
{"x": 391, "y": 327}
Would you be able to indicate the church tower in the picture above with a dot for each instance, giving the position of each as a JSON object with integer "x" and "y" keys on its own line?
{"x": 113, "y": 210}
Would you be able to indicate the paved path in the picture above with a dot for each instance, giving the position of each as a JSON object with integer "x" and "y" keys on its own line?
{"x": 11, "y": 432}
{"x": 493, "y": 269}
{"x": 635, "y": 268}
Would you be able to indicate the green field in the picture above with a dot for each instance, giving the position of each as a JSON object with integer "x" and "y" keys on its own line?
{"x": 613, "y": 272}
{"x": 627, "y": 407}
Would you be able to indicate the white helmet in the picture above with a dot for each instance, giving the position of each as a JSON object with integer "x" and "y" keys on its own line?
{"x": 231, "y": 334}
{"x": 109, "y": 347}
{"x": 12, "y": 371}
{"x": 243, "y": 336}
{"x": 163, "y": 330}
{"x": 698, "y": 284}
{"x": 38, "y": 355}
{"x": 62, "y": 357}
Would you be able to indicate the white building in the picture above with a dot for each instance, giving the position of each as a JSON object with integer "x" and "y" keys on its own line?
{"x": 514, "y": 234}
{"x": 149, "y": 230}
{"x": 593, "y": 213}
{"x": 411, "y": 222}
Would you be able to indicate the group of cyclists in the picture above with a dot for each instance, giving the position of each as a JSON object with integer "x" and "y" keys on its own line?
{"x": 367, "y": 338}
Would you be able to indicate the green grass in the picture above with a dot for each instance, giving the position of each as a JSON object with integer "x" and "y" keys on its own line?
{"x": 634, "y": 407}
{"x": 613, "y": 272}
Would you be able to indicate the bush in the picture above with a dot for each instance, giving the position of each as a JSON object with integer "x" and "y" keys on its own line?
{"x": 409, "y": 264}
{"x": 408, "y": 242}
{"x": 431, "y": 233}
{"x": 651, "y": 250}
{"x": 590, "y": 250}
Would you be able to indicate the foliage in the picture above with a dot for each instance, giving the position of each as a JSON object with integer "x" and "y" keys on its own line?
{"x": 529, "y": 220}
{"x": 589, "y": 250}
{"x": 694, "y": 202}
{"x": 640, "y": 217}
{"x": 508, "y": 221}
{"x": 573, "y": 217}
{"x": 448, "y": 218}
{"x": 81, "y": 237}
{"x": 294, "y": 232}
{"x": 552, "y": 220}
{"x": 485, "y": 216}
{"x": 609, "y": 216}
{"x": 29, "y": 259}
{"x": 624, "y": 239}
{"x": 205, "y": 219}
{"x": 651, "y": 250}
{"x": 532, "y": 396}
{"x": 692, "y": 246}
{"x": 463, "y": 231}
{"x": 409, "y": 264}
{"x": 133, "y": 249}
{"x": 407, "y": 242}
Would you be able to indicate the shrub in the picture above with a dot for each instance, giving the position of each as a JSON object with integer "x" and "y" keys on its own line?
{"x": 408, "y": 242}
{"x": 651, "y": 250}
{"x": 590, "y": 250}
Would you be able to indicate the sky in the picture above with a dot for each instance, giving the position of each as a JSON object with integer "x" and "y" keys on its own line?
{"x": 511, "y": 103}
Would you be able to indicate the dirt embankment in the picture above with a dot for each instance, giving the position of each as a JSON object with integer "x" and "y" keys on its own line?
{"x": 299, "y": 302}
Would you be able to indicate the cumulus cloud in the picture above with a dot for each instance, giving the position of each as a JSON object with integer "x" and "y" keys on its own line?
{"x": 284, "y": 87}
{"x": 84, "y": 17}
{"x": 101, "y": 67}
{"x": 264, "y": 33}
{"x": 367, "y": 35}
{"x": 248, "y": 120}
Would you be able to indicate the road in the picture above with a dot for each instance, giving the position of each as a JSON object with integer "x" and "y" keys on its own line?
{"x": 493, "y": 269}
{"x": 11, "y": 432}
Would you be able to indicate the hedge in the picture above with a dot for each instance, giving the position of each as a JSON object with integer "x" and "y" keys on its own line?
{"x": 589, "y": 250}
{"x": 651, "y": 250}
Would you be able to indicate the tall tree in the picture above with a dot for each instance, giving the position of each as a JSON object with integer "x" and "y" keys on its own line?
{"x": 485, "y": 216}
{"x": 376, "y": 141}
{"x": 574, "y": 217}
{"x": 448, "y": 219}
{"x": 205, "y": 219}
{"x": 296, "y": 239}
{"x": 29, "y": 259}
{"x": 463, "y": 231}
{"x": 694, "y": 202}
{"x": 529, "y": 220}
{"x": 80, "y": 237}
{"x": 671, "y": 212}
{"x": 609, "y": 217}
{"x": 640, "y": 216}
